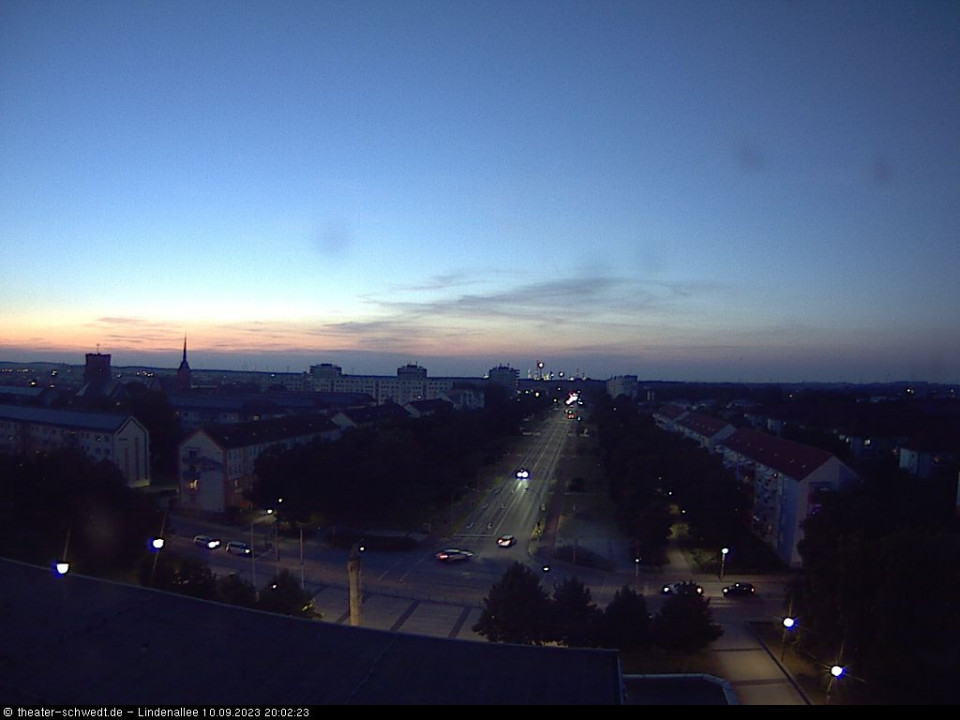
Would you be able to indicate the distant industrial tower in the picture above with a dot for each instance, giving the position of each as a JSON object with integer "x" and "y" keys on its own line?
{"x": 184, "y": 381}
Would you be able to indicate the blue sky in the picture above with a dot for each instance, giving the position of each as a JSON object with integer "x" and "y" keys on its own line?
{"x": 684, "y": 190}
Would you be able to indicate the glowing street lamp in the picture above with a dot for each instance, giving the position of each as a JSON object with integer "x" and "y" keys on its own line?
{"x": 836, "y": 672}
{"x": 156, "y": 545}
{"x": 788, "y": 624}
{"x": 723, "y": 560}
{"x": 62, "y": 566}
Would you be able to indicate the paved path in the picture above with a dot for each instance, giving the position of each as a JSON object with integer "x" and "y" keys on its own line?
{"x": 751, "y": 670}
{"x": 743, "y": 662}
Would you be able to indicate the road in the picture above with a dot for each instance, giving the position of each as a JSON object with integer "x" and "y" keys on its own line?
{"x": 413, "y": 592}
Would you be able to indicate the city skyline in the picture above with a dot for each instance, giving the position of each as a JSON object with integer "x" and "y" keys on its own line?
{"x": 689, "y": 191}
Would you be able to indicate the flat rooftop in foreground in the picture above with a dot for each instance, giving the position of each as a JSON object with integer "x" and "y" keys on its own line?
{"x": 85, "y": 641}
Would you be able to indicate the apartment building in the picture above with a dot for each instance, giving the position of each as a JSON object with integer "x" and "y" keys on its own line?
{"x": 787, "y": 481}
{"x": 119, "y": 439}
{"x": 411, "y": 383}
{"x": 217, "y": 463}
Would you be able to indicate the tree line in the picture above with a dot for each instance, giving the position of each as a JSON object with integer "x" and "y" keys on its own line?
{"x": 651, "y": 473}
{"x": 880, "y": 571}
{"x": 519, "y": 610}
{"x": 378, "y": 473}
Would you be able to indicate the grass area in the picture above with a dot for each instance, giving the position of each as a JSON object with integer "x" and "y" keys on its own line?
{"x": 655, "y": 661}
{"x": 748, "y": 555}
{"x": 580, "y": 469}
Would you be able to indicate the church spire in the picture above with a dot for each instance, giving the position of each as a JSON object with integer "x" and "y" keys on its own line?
{"x": 183, "y": 373}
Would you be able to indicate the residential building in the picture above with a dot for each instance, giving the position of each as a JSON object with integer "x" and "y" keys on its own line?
{"x": 787, "y": 481}
{"x": 623, "y": 385}
{"x": 506, "y": 377}
{"x": 667, "y": 416}
{"x": 366, "y": 416}
{"x": 425, "y": 408}
{"x": 217, "y": 463}
{"x": 411, "y": 383}
{"x": 119, "y": 439}
{"x": 705, "y": 430}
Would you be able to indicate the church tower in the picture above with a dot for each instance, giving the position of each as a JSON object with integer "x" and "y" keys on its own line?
{"x": 183, "y": 372}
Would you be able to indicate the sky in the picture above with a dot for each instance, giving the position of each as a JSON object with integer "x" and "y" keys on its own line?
{"x": 699, "y": 190}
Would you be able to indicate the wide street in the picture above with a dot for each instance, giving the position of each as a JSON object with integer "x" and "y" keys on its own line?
{"x": 413, "y": 592}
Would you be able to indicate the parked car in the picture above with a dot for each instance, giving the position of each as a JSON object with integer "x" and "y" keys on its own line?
{"x": 453, "y": 555}
{"x": 238, "y": 548}
{"x": 740, "y": 589}
{"x": 205, "y": 541}
{"x": 687, "y": 587}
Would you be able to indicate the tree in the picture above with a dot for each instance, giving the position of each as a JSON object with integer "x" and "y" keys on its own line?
{"x": 880, "y": 579}
{"x": 516, "y": 609}
{"x": 626, "y": 623}
{"x": 194, "y": 578}
{"x": 575, "y": 619}
{"x": 284, "y": 595}
{"x": 158, "y": 571}
{"x": 685, "y": 624}
{"x": 234, "y": 590}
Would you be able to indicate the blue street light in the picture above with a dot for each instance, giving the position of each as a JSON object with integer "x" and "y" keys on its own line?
{"x": 788, "y": 624}
{"x": 836, "y": 672}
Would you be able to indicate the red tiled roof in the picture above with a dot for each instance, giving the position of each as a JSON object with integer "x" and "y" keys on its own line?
{"x": 705, "y": 425}
{"x": 671, "y": 412}
{"x": 790, "y": 458}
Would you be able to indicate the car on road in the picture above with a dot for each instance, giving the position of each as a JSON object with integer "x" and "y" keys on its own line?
{"x": 238, "y": 548}
{"x": 453, "y": 555}
{"x": 506, "y": 541}
{"x": 740, "y": 589}
{"x": 523, "y": 474}
{"x": 205, "y": 541}
{"x": 687, "y": 587}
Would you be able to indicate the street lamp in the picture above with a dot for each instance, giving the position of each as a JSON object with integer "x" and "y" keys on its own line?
{"x": 723, "y": 560}
{"x": 636, "y": 568}
{"x": 62, "y": 566}
{"x": 788, "y": 624}
{"x": 276, "y": 525}
{"x": 253, "y": 564}
{"x": 156, "y": 545}
{"x": 302, "y": 579}
{"x": 836, "y": 672}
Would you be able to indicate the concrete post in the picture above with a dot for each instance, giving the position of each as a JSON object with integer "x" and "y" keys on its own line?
{"x": 356, "y": 595}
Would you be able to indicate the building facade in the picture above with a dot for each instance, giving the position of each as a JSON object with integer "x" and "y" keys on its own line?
{"x": 217, "y": 463}
{"x": 787, "y": 481}
{"x": 119, "y": 439}
{"x": 410, "y": 384}
{"x": 623, "y": 385}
